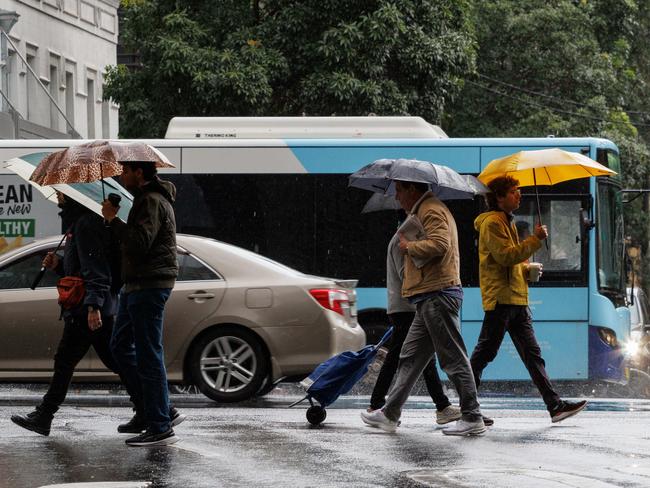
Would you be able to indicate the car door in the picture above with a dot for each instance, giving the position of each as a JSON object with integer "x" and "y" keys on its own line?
{"x": 197, "y": 293}
{"x": 29, "y": 319}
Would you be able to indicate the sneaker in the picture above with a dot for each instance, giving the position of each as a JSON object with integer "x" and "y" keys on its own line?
{"x": 176, "y": 417}
{"x": 376, "y": 418}
{"x": 489, "y": 422}
{"x": 448, "y": 414}
{"x": 463, "y": 427}
{"x": 136, "y": 425}
{"x": 36, "y": 421}
{"x": 150, "y": 439}
{"x": 566, "y": 409}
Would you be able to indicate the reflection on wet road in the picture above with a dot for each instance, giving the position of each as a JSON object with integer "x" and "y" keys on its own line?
{"x": 269, "y": 445}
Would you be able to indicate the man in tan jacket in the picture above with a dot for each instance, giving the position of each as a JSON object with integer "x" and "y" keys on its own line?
{"x": 503, "y": 273}
{"x": 435, "y": 290}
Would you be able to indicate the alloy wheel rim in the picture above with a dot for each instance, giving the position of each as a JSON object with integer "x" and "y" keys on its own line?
{"x": 228, "y": 364}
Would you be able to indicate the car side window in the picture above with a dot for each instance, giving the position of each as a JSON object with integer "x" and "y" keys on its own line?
{"x": 21, "y": 273}
{"x": 191, "y": 269}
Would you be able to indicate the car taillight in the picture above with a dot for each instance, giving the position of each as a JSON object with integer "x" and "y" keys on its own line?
{"x": 332, "y": 299}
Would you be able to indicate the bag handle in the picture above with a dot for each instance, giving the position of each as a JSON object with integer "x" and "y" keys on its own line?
{"x": 385, "y": 337}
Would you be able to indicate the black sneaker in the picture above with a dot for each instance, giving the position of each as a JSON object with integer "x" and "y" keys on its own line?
{"x": 566, "y": 409}
{"x": 136, "y": 425}
{"x": 36, "y": 421}
{"x": 176, "y": 417}
{"x": 488, "y": 421}
{"x": 150, "y": 439}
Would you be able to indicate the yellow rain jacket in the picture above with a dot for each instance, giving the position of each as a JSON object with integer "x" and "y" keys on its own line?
{"x": 503, "y": 268}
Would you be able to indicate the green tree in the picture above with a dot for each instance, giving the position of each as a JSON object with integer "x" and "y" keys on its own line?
{"x": 289, "y": 57}
{"x": 566, "y": 68}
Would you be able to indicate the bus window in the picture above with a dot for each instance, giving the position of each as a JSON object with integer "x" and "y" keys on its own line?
{"x": 565, "y": 259}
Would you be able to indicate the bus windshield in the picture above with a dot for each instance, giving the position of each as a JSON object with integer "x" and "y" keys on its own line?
{"x": 610, "y": 238}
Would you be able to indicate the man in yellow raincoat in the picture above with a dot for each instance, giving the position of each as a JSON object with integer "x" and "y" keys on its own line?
{"x": 503, "y": 270}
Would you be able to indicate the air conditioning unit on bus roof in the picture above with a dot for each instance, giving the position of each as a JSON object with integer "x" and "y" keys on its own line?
{"x": 302, "y": 128}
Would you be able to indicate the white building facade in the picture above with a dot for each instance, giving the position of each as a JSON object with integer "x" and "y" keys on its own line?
{"x": 52, "y": 68}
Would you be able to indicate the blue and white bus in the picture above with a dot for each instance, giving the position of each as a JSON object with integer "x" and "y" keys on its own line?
{"x": 283, "y": 192}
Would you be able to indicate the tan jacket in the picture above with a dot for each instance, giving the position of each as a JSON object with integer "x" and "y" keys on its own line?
{"x": 440, "y": 246}
{"x": 503, "y": 269}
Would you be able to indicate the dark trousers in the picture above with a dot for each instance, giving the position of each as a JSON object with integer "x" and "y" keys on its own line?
{"x": 137, "y": 346}
{"x": 73, "y": 346}
{"x": 518, "y": 322}
{"x": 401, "y": 323}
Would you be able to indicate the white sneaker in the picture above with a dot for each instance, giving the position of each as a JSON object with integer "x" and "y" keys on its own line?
{"x": 463, "y": 427}
{"x": 376, "y": 418}
{"x": 449, "y": 414}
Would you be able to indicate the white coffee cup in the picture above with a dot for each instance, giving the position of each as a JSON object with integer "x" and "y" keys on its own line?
{"x": 534, "y": 271}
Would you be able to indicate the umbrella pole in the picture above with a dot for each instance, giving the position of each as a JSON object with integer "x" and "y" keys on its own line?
{"x": 539, "y": 211}
{"x": 101, "y": 172}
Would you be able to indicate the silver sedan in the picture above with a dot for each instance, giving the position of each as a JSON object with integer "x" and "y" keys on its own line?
{"x": 235, "y": 324}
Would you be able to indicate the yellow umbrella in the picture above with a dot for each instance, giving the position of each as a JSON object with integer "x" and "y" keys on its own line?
{"x": 543, "y": 167}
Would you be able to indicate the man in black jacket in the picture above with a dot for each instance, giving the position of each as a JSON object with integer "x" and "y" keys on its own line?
{"x": 90, "y": 322}
{"x": 149, "y": 270}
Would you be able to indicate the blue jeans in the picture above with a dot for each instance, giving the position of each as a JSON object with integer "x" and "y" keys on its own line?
{"x": 137, "y": 346}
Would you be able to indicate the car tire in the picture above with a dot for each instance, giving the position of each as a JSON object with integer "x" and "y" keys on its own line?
{"x": 228, "y": 364}
{"x": 267, "y": 386}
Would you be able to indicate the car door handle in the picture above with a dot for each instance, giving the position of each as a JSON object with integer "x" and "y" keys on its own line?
{"x": 201, "y": 295}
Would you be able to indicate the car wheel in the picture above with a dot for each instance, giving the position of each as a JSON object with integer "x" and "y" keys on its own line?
{"x": 267, "y": 386}
{"x": 228, "y": 364}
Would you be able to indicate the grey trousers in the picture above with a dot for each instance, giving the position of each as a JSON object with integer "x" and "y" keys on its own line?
{"x": 435, "y": 329}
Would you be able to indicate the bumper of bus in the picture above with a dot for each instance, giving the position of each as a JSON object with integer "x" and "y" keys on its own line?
{"x": 607, "y": 360}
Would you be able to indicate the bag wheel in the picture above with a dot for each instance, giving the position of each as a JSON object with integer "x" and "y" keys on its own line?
{"x": 316, "y": 414}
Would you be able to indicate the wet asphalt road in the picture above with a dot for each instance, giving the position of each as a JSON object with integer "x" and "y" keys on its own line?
{"x": 268, "y": 445}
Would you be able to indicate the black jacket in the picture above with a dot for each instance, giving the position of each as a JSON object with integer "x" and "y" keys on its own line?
{"x": 86, "y": 255}
{"x": 148, "y": 238}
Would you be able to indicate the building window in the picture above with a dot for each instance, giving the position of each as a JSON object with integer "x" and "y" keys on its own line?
{"x": 54, "y": 93}
{"x": 69, "y": 98}
{"x": 32, "y": 87}
{"x": 90, "y": 106}
{"x": 106, "y": 119}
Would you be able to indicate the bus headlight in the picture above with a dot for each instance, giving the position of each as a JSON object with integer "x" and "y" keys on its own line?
{"x": 632, "y": 348}
{"x": 608, "y": 336}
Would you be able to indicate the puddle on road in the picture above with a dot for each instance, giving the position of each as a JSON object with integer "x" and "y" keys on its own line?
{"x": 503, "y": 478}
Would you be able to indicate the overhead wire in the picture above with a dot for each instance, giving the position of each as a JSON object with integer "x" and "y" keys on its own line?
{"x": 554, "y": 109}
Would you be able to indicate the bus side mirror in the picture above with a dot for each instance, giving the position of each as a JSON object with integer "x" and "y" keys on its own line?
{"x": 585, "y": 224}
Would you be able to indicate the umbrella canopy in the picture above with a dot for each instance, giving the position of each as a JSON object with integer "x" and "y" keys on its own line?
{"x": 445, "y": 183}
{"x": 90, "y": 195}
{"x": 94, "y": 161}
{"x": 386, "y": 201}
{"x": 543, "y": 167}
{"x": 372, "y": 177}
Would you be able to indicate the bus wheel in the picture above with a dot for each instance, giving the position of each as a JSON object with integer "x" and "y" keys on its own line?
{"x": 228, "y": 364}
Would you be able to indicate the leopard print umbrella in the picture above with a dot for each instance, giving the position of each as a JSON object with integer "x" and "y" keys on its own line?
{"x": 94, "y": 161}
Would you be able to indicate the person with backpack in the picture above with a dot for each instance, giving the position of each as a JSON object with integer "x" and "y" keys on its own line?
{"x": 88, "y": 307}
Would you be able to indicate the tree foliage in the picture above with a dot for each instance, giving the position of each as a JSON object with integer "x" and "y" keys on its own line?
{"x": 289, "y": 57}
{"x": 563, "y": 68}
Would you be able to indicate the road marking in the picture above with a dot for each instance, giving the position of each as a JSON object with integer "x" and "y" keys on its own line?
{"x": 103, "y": 484}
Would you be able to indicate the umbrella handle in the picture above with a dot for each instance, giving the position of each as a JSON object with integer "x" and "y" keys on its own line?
{"x": 41, "y": 273}
{"x": 38, "y": 278}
